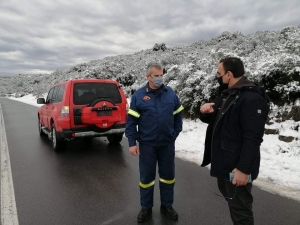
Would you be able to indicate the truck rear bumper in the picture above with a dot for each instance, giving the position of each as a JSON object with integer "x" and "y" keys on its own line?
{"x": 97, "y": 134}
{"x": 82, "y": 133}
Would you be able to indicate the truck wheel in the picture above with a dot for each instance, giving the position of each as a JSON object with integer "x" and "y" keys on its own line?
{"x": 57, "y": 145}
{"x": 41, "y": 132}
{"x": 87, "y": 140}
{"x": 115, "y": 138}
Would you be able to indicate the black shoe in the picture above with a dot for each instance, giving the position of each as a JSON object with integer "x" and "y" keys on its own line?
{"x": 144, "y": 215}
{"x": 170, "y": 212}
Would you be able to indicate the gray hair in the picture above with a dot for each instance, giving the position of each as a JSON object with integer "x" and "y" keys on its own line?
{"x": 155, "y": 65}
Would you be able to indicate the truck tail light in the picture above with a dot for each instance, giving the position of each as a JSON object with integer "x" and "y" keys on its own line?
{"x": 65, "y": 112}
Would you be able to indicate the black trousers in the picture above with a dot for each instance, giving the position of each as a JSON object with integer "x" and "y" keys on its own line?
{"x": 239, "y": 201}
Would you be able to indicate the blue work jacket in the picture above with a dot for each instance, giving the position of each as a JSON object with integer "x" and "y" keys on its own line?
{"x": 154, "y": 116}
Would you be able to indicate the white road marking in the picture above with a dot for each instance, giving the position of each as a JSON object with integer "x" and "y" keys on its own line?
{"x": 9, "y": 214}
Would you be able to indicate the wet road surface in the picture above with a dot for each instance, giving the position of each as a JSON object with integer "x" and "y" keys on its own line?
{"x": 97, "y": 183}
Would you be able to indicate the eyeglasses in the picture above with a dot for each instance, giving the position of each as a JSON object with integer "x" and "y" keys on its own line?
{"x": 226, "y": 197}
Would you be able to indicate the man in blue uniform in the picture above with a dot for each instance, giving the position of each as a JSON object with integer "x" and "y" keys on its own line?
{"x": 155, "y": 121}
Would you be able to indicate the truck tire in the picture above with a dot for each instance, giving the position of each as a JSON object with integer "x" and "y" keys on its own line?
{"x": 115, "y": 138}
{"x": 57, "y": 145}
{"x": 41, "y": 132}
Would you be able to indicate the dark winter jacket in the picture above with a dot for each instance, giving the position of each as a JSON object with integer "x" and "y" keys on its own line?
{"x": 235, "y": 130}
{"x": 157, "y": 114}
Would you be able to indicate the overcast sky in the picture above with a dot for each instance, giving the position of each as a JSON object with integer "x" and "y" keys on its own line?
{"x": 41, "y": 36}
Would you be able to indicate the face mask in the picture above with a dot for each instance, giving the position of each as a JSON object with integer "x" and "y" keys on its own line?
{"x": 223, "y": 86}
{"x": 158, "y": 81}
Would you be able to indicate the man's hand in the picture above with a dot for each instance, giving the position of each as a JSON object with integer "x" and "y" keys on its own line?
{"x": 240, "y": 178}
{"x": 207, "y": 108}
{"x": 134, "y": 150}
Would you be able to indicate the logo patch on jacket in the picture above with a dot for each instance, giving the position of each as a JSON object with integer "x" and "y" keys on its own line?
{"x": 146, "y": 98}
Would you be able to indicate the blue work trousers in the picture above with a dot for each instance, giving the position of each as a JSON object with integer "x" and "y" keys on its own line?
{"x": 164, "y": 156}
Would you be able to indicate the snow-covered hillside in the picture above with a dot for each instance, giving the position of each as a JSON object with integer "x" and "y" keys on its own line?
{"x": 272, "y": 59}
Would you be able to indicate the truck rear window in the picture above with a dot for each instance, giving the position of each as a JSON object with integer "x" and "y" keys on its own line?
{"x": 87, "y": 92}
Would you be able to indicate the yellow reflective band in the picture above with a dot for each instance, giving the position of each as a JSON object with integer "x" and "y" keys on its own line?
{"x": 147, "y": 185}
{"x": 133, "y": 113}
{"x": 167, "y": 181}
{"x": 178, "y": 110}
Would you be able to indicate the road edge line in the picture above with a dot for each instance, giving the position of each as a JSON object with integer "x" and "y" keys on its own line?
{"x": 9, "y": 215}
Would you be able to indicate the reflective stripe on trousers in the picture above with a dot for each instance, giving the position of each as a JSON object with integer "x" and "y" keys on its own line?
{"x": 149, "y": 156}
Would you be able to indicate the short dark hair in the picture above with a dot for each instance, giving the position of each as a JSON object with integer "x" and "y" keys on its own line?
{"x": 234, "y": 65}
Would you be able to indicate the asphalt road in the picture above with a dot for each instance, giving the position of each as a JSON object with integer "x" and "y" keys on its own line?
{"x": 97, "y": 183}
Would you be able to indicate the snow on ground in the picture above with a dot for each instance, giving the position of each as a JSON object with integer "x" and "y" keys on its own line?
{"x": 279, "y": 170}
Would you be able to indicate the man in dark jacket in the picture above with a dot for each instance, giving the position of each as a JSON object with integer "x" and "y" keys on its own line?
{"x": 157, "y": 113}
{"x": 233, "y": 137}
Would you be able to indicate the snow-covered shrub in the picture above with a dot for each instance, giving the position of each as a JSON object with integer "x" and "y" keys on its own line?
{"x": 158, "y": 47}
{"x": 283, "y": 82}
{"x": 127, "y": 82}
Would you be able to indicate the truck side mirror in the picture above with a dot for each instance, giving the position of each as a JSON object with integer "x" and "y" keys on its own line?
{"x": 40, "y": 101}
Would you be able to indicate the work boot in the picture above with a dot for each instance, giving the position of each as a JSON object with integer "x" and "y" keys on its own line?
{"x": 170, "y": 212}
{"x": 144, "y": 215}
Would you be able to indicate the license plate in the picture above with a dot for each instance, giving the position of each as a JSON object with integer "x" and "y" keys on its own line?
{"x": 104, "y": 113}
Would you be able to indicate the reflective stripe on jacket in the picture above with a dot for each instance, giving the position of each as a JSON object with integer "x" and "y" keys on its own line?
{"x": 154, "y": 117}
